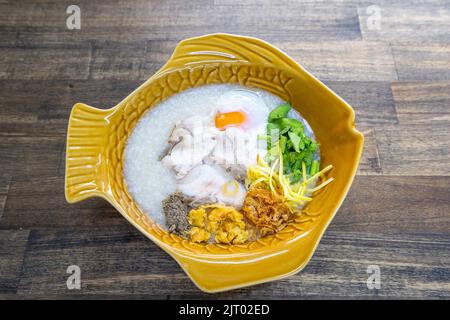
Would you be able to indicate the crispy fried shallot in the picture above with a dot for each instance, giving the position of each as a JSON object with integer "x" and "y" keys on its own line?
{"x": 269, "y": 212}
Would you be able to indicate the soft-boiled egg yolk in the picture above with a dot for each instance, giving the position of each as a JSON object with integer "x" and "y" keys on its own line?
{"x": 240, "y": 108}
{"x": 229, "y": 119}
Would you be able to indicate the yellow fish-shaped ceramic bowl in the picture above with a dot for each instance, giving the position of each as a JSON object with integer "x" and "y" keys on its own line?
{"x": 96, "y": 140}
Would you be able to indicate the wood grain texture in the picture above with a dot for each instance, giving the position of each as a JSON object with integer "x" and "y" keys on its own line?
{"x": 422, "y": 61}
{"x": 112, "y": 60}
{"x": 37, "y": 22}
{"x": 45, "y": 62}
{"x": 422, "y": 102}
{"x": 396, "y": 215}
{"x": 331, "y": 60}
{"x": 12, "y": 248}
{"x": 5, "y": 181}
{"x": 372, "y": 100}
{"x": 404, "y": 22}
{"x": 396, "y": 205}
{"x": 30, "y": 157}
{"x": 122, "y": 262}
{"x": 414, "y": 149}
{"x": 40, "y": 203}
{"x": 344, "y": 60}
{"x": 370, "y": 163}
{"x": 24, "y": 111}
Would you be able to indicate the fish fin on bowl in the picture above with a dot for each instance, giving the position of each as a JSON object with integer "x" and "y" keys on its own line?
{"x": 87, "y": 136}
{"x": 222, "y": 47}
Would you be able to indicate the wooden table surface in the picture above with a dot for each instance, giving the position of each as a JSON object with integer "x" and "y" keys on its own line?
{"x": 397, "y": 77}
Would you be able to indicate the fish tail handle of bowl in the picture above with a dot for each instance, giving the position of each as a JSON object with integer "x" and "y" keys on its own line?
{"x": 87, "y": 136}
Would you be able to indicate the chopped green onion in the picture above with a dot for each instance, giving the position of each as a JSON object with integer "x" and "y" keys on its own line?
{"x": 314, "y": 168}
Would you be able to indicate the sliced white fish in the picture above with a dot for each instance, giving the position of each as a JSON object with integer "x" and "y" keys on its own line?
{"x": 192, "y": 142}
{"x": 236, "y": 149}
{"x": 207, "y": 183}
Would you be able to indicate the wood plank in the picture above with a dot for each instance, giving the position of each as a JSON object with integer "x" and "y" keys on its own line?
{"x": 117, "y": 258}
{"x": 348, "y": 2}
{"x": 40, "y": 203}
{"x": 339, "y": 267}
{"x": 12, "y": 249}
{"x": 114, "y": 60}
{"x": 412, "y": 266}
{"x": 422, "y": 102}
{"x": 414, "y": 149}
{"x": 79, "y": 296}
{"x": 370, "y": 163}
{"x": 5, "y": 180}
{"x": 396, "y": 205}
{"x": 45, "y": 62}
{"x": 360, "y": 61}
{"x": 299, "y": 20}
{"x": 24, "y": 111}
{"x": 348, "y": 61}
{"x": 343, "y": 60}
{"x": 28, "y": 157}
{"x": 403, "y": 22}
{"x": 372, "y": 101}
{"x": 44, "y": 22}
{"x": 422, "y": 61}
{"x": 114, "y": 262}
